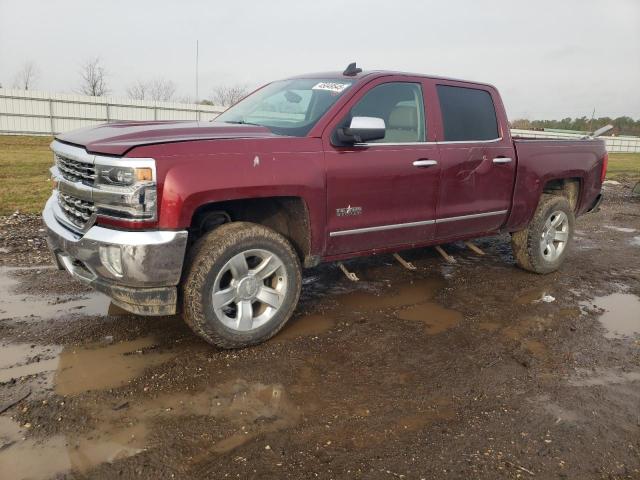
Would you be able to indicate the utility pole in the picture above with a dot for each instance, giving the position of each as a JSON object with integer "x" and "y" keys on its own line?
{"x": 196, "y": 71}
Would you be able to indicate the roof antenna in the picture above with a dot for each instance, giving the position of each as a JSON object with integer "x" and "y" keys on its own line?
{"x": 352, "y": 70}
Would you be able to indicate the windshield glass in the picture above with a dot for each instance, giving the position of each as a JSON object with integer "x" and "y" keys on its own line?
{"x": 287, "y": 107}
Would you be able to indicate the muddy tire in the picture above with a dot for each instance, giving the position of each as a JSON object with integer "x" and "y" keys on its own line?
{"x": 242, "y": 285}
{"x": 543, "y": 245}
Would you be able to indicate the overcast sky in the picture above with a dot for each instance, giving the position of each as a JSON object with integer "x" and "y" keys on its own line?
{"x": 550, "y": 59}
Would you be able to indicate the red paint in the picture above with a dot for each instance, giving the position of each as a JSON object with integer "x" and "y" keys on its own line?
{"x": 203, "y": 162}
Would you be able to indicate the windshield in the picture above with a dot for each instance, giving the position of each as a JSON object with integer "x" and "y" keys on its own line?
{"x": 287, "y": 107}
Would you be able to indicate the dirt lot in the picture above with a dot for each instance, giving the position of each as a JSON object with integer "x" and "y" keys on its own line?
{"x": 471, "y": 370}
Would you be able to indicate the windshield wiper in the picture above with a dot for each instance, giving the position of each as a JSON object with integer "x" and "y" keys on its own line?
{"x": 242, "y": 122}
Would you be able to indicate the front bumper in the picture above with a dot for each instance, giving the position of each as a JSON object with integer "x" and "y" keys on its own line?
{"x": 151, "y": 262}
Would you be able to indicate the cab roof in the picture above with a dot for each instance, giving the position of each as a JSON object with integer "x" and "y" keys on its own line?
{"x": 372, "y": 74}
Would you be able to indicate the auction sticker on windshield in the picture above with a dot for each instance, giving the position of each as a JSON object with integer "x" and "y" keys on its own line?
{"x": 331, "y": 86}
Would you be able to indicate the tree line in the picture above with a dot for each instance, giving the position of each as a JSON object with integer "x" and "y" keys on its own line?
{"x": 621, "y": 125}
{"x": 93, "y": 79}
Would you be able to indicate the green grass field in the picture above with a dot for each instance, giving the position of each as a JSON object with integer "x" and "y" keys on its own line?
{"x": 24, "y": 173}
{"x": 25, "y": 163}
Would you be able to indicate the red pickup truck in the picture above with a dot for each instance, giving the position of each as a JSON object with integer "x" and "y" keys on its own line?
{"x": 218, "y": 218}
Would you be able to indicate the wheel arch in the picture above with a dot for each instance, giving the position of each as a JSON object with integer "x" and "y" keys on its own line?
{"x": 569, "y": 188}
{"x": 526, "y": 200}
{"x": 287, "y": 215}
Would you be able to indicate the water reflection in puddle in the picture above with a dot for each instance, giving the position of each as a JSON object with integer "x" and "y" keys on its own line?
{"x": 621, "y": 316}
{"x": 19, "y": 306}
{"x": 404, "y": 295}
{"x": 98, "y": 367}
{"x": 534, "y": 295}
{"x": 415, "y": 297}
{"x": 249, "y": 409}
{"x": 39, "y": 459}
{"x": 603, "y": 376}
{"x": 306, "y": 326}
{"x": 21, "y": 359}
{"x": 620, "y": 229}
{"x": 75, "y": 370}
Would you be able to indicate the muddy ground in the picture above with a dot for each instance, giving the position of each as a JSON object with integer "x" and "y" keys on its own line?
{"x": 470, "y": 370}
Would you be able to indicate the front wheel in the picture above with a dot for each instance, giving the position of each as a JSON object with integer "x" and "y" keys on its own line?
{"x": 543, "y": 245}
{"x": 242, "y": 286}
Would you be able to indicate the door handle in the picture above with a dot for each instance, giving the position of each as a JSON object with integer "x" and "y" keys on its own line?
{"x": 424, "y": 163}
{"x": 502, "y": 160}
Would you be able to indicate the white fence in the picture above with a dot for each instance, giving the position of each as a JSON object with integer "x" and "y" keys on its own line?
{"x": 38, "y": 113}
{"x": 614, "y": 144}
{"x": 25, "y": 112}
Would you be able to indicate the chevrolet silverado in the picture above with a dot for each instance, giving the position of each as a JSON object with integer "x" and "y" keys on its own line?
{"x": 217, "y": 219}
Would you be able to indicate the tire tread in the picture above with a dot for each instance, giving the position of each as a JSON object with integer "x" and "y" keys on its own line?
{"x": 525, "y": 243}
{"x": 202, "y": 258}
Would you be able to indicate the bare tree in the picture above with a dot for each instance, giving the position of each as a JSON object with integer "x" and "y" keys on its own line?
{"x": 94, "y": 80}
{"x": 227, "y": 95}
{"x": 138, "y": 91}
{"x": 160, "y": 89}
{"x": 26, "y": 78}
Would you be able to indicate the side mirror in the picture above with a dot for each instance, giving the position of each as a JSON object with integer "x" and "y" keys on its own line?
{"x": 362, "y": 130}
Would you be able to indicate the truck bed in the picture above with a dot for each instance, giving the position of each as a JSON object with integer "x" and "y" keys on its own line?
{"x": 541, "y": 160}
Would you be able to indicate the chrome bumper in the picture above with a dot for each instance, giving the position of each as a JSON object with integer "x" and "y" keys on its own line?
{"x": 151, "y": 262}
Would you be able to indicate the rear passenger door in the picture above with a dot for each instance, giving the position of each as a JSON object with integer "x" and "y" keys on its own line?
{"x": 477, "y": 161}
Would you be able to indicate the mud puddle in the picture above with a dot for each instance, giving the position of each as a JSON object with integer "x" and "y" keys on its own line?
{"x": 536, "y": 295}
{"x": 19, "y": 306}
{"x": 436, "y": 318}
{"x": 22, "y": 359}
{"x": 306, "y": 326}
{"x": 403, "y": 295}
{"x": 98, "y": 367}
{"x": 620, "y": 229}
{"x": 248, "y": 410}
{"x": 621, "y": 314}
{"x": 413, "y": 300}
{"x": 603, "y": 377}
{"x": 42, "y": 459}
{"x": 74, "y": 370}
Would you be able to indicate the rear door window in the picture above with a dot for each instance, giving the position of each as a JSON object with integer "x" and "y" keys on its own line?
{"x": 468, "y": 114}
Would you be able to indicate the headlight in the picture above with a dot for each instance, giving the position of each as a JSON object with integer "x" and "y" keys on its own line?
{"x": 122, "y": 176}
{"x": 125, "y": 188}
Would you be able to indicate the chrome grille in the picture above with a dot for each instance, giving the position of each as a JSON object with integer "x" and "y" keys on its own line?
{"x": 77, "y": 211}
{"x": 75, "y": 171}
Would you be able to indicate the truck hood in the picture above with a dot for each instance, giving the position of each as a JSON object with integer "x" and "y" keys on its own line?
{"x": 119, "y": 138}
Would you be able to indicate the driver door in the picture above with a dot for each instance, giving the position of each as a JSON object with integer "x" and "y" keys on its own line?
{"x": 383, "y": 193}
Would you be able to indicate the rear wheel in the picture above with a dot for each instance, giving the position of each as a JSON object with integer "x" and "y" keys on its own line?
{"x": 543, "y": 245}
{"x": 242, "y": 286}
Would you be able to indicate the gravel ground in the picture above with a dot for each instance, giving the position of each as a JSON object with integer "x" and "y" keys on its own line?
{"x": 470, "y": 370}
{"x": 23, "y": 240}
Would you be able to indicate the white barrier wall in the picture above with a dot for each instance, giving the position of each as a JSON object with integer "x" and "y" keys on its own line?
{"x": 25, "y": 112}
{"x": 614, "y": 144}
